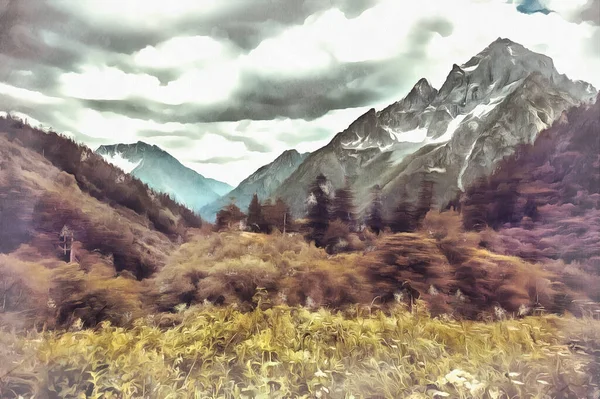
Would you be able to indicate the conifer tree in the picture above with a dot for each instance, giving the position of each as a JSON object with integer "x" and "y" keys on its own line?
{"x": 318, "y": 210}
{"x": 405, "y": 217}
{"x": 424, "y": 200}
{"x": 505, "y": 198}
{"x": 255, "y": 217}
{"x": 343, "y": 207}
{"x": 276, "y": 216}
{"x": 475, "y": 209}
{"x": 283, "y": 218}
{"x": 228, "y": 217}
{"x": 375, "y": 216}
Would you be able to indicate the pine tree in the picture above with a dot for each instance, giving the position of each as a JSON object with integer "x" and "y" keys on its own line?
{"x": 424, "y": 200}
{"x": 505, "y": 198}
{"x": 318, "y": 210}
{"x": 405, "y": 217}
{"x": 283, "y": 216}
{"x": 276, "y": 216}
{"x": 255, "y": 217}
{"x": 343, "y": 207}
{"x": 475, "y": 209}
{"x": 375, "y": 216}
{"x": 228, "y": 217}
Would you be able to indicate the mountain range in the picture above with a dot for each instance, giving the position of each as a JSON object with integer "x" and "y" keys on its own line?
{"x": 502, "y": 97}
{"x": 262, "y": 182}
{"x": 164, "y": 173}
{"x": 499, "y": 99}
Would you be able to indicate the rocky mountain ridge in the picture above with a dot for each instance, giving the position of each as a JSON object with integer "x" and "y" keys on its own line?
{"x": 502, "y": 97}
{"x": 264, "y": 181}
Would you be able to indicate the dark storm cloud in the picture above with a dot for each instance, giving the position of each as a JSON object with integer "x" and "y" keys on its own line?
{"x": 250, "y": 22}
{"x": 22, "y": 44}
{"x": 38, "y": 36}
{"x": 264, "y": 98}
{"x": 39, "y": 41}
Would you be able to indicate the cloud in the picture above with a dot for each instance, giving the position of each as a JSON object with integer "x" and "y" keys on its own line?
{"x": 181, "y": 52}
{"x": 250, "y": 79}
{"x": 219, "y": 160}
{"x": 28, "y": 96}
{"x": 591, "y": 12}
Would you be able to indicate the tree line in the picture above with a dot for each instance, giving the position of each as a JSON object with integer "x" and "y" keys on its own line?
{"x": 331, "y": 215}
{"x": 260, "y": 217}
{"x": 336, "y": 211}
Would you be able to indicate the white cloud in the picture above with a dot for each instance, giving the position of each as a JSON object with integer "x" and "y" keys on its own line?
{"x": 182, "y": 52}
{"x": 107, "y": 83}
{"x": 384, "y": 32}
{"x": 28, "y": 95}
{"x": 211, "y": 70}
{"x": 211, "y": 84}
{"x": 110, "y": 127}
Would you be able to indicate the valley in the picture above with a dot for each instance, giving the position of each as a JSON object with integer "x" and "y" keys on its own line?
{"x": 447, "y": 245}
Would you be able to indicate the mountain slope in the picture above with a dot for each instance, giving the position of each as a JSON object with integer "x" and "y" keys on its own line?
{"x": 544, "y": 201}
{"x": 500, "y": 98}
{"x": 264, "y": 181}
{"x": 164, "y": 173}
{"x": 48, "y": 182}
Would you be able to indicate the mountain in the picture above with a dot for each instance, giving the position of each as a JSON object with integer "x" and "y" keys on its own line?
{"x": 50, "y": 184}
{"x": 263, "y": 182}
{"x": 164, "y": 173}
{"x": 502, "y": 97}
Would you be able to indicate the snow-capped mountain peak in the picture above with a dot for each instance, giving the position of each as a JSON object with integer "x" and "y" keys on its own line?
{"x": 502, "y": 97}
{"x": 164, "y": 173}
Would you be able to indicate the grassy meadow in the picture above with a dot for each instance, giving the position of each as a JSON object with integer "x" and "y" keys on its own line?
{"x": 242, "y": 315}
{"x": 292, "y": 352}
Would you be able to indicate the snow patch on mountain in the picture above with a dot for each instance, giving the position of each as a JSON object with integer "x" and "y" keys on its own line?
{"x": 482, "y": 109}
{"x": 465, "y": 166}
{"x": 449, "y": 133}
{"x": 124, "y": 164}
{"x": 411, "y": 136}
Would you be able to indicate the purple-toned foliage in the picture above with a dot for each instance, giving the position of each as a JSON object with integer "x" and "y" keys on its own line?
{"x": 544, "y": 201}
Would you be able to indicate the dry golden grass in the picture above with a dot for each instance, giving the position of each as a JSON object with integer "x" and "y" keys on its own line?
{"x": 293, "y": 352}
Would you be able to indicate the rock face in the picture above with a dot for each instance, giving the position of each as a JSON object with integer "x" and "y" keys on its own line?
{"x": 263, "y": 182}
{"x": 502, "y": 97}
{"x": 164, "y": 173}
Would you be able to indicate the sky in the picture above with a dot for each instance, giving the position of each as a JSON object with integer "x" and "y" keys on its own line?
{"x": 225, "y": 86}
